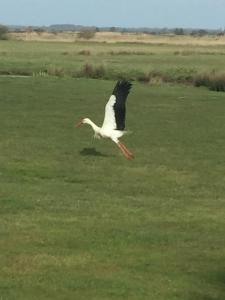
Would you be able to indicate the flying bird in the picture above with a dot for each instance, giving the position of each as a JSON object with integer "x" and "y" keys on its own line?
{"x": 114, "y": 121}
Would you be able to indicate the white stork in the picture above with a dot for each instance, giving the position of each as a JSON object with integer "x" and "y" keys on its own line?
{"x": 114, "y": 121}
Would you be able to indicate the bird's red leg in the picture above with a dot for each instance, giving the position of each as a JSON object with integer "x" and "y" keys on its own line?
{"x": 125, "y": 151}
{"x": 128, "y": 151}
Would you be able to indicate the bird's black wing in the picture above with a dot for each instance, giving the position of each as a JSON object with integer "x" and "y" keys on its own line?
{"x": 121, "y": 91}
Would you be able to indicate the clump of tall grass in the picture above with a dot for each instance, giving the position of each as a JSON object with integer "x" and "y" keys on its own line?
{"x": 86, "y": 34}
{"x": 51, "y": 71}
{"x": 16, "y": 72}
{"x": 184, "y": 53}
{"x": 41, "y": 73}
{"x": 56, "y": 71}
{"x": 65, "y": 53}
{"x": 177, "y": 75}
{"x": 213, "y": 81}
{"x": 124, "y": 52}
{"x": 154, "y": 77}
{"x": 180, "y": 75}
{"x": 196, "y": 52}
{"x": 91, "y": 71}
{"x": 144, "y": 77}
{"x": 84, "y": 52}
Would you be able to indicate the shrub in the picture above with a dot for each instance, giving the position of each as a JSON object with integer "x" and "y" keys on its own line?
{"x": 39, "y": 30}
{"x": 85, "y": 52}
{"x": 86, "y": 34}
{"x": 56, "y": 71}
{"x": 214, "y": 82}
{"x": 154, "y": 77}
{"x": 201, "y": 80}
{"x": 145, "y": 78}
{"x": 87, "y": 70}
{"x": 91, "y": 72}
{"x": 3, "y": 32}
{"x": 199, "y": 32}
{"x": 179, "y": 31}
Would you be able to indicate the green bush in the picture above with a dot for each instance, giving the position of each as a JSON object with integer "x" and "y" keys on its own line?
{"x": 179, "y": 31}
{"x": 214, "y": 82}
{"x": 3, "y": 32}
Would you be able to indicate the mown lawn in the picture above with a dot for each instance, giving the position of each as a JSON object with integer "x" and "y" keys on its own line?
{"x": 79, "y": 221}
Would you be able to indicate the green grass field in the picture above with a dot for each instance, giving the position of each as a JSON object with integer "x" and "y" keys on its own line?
{"x": 79, "y": 221}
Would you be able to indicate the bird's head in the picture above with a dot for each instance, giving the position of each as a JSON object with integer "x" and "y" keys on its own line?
{"x": 81, "y": 122}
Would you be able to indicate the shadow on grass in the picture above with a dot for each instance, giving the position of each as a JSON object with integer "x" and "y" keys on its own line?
{"x": 92, "y": 152}
{"x": 217, "y": 282}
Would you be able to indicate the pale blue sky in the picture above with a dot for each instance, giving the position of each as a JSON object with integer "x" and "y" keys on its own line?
{"x": 124, "y": 13}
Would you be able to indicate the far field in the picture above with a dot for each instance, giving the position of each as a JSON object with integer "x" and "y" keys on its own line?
{"x": 114, "y": 37}
{"x": 166, "y": 61}
{"x": 79, "y": 221}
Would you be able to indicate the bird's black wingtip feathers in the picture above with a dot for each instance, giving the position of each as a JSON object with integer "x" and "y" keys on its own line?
{"x": 121, "y": 91}
{"x": 122, "y": 86}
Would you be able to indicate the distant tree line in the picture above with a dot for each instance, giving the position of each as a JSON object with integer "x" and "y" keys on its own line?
{"x": 87, "y": 32}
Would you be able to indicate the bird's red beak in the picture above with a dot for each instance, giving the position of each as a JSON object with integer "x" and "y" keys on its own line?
{"x": 79, "y": 123}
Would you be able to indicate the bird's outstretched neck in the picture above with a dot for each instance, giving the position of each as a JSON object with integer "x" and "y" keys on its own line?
{"x": 92, "y": 124}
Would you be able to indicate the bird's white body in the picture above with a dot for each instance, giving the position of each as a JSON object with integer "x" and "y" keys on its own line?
{"x": 114, "y": 118}
{"x": 104, "y": 131}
